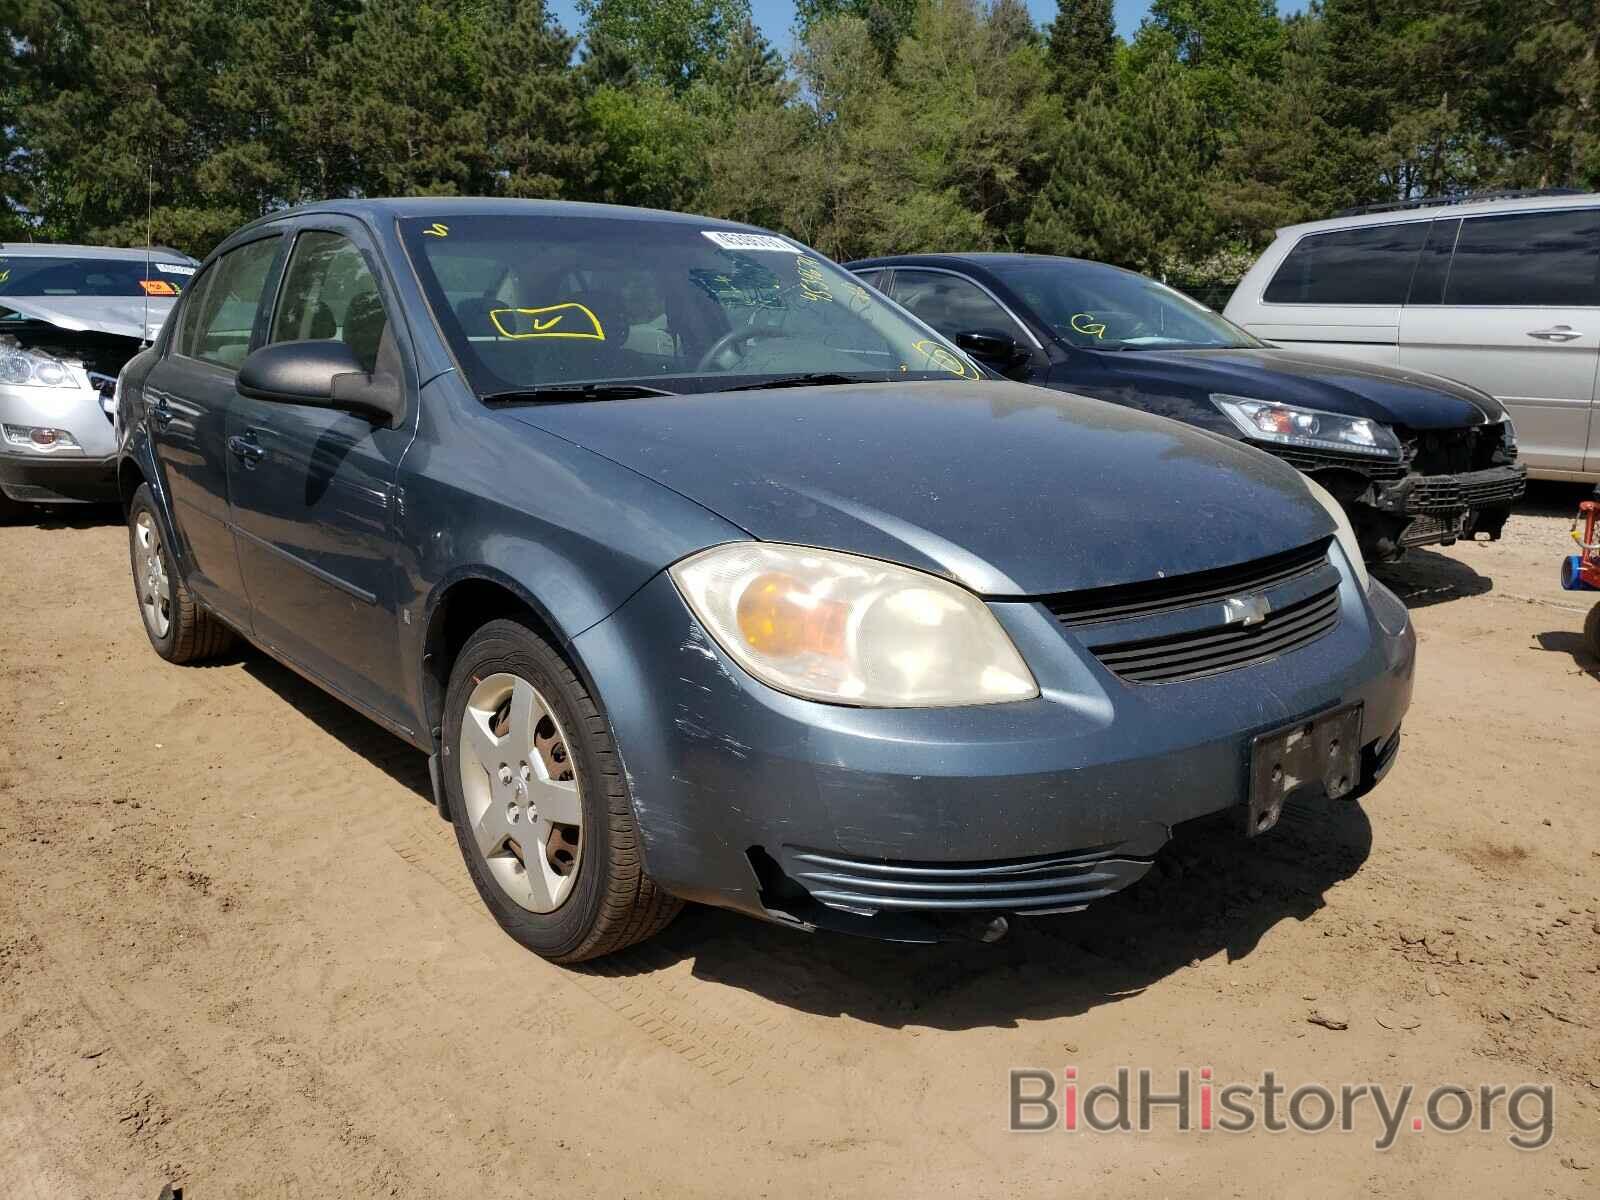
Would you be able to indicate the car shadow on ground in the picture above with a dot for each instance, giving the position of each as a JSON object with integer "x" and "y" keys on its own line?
{"x": 1570, "y": 641}
{"x": 1553, "y": 498}
{"x": 402, "y": 762}
{"x": 1212, "y": 892}
{"x": 72, "y": 516}
{"x": 1425, "y": 577}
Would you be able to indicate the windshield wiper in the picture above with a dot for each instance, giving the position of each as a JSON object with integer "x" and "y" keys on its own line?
{"x": 812, "y": 379}
{"x": 573, "y": 393}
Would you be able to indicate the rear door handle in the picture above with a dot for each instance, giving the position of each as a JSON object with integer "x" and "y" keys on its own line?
{"x": 1556, "y": 333}
{"x": 245, "y": 448}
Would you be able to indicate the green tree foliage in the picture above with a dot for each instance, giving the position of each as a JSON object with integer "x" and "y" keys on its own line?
{"x": 894, "y": 125}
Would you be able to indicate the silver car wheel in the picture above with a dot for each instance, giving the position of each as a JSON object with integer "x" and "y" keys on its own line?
{"x": 521, "y": 790}
{"x": 155, "y": 589}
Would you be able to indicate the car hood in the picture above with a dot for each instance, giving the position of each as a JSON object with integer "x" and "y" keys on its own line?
{"x": 1391, "y": 395}
{"x": 1009, "y": 489}
{"x": 127, "y": 316}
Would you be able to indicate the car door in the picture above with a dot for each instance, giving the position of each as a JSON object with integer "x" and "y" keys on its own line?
{"x": 1510, "y": 303}
{"x": 187, "y": 397}
{"x": 956, "y": 304}
{"x": 313, "y": 490}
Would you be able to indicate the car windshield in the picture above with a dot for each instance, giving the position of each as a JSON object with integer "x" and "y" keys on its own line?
{"x": 1096, "y": 307}
{"x": 535, "y": 303}
{"x": 27, "y": 275}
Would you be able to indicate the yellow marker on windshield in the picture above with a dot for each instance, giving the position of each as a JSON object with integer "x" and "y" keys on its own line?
{"x": 569, "y": 320}
{"x": 1086, "y": 324}
{"x": 942, "y": 358}
{"x": 437, "y": 229}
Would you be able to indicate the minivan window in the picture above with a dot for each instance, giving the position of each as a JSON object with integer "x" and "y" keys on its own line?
{"x": 1548, "y": 259}
{"x": 26, "y": 275}
{"x": 224, "y": 313}
{"x": 1371, "y": 264}
{"x": 329, "y": 292}
{"x": 537, "y": 302}
{"x": 1433, "y": 265}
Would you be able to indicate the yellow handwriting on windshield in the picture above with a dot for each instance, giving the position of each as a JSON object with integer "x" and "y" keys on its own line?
{"x": 813, "y": 284}
{"x": 1086, "y": 324}
{"x": 942, "y": 358}
{"x": 437, "y": 229}
{"x": 574, "y": 320}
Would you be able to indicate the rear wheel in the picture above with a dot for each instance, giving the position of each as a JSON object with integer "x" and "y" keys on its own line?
{"x": 179, "y": 629}
{"x": 540, "y": 804}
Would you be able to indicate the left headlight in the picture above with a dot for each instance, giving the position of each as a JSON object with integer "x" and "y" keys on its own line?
{"x": 837, "y": 627}
{"x": 1290, "y": 425}
{"x": 24, "y": 368}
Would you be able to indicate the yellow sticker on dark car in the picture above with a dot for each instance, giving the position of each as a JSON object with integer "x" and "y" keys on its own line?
{"x": 569, "y": 320}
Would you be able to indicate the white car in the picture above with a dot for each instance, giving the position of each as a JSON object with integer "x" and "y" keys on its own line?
{"x": 70, "y": 317}
{"x": 1501, "y": 292}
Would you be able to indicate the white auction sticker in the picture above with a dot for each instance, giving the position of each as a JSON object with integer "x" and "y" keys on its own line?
{"x": 174, "y": 269}
{"x": 750, "y": 241}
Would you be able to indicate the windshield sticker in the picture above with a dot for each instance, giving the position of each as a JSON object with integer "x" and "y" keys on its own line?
{"x": 750, "y": 241}
{"x": 942, "y": 358}
{"x": 569, "y": 320}
{"x": 173, "y": 268}
{"x": 813, "y": 283}
{"x": 746, "y": 285}
{"x": 157, "y": 287}
{"x": 437, "y": 229}
{"x": 1085, "y": 323}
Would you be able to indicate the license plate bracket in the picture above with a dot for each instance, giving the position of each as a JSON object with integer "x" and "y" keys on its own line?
{"x": 1325, "y": 750}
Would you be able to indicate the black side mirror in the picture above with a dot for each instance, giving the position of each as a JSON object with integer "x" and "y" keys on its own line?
{"x": 992, "y": 347}
{"x": 320, "y": 374}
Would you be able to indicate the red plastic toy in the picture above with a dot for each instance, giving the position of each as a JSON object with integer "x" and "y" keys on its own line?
{"x": 1581, "y": 571}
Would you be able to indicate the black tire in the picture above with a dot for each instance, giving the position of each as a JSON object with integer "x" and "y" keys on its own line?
{"x": 1591, "y": 630}
{"x": 192, "y": 635}
{"x": 613, "y": 903}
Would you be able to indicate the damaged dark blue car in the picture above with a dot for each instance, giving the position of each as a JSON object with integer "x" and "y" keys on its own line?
{"x": 702, "y": 572}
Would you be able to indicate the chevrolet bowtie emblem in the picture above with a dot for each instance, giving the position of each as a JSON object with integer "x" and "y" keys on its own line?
{"x": 1245, "y": 610}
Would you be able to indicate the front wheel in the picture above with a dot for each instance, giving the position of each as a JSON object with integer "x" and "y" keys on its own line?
{"x": 540, "y": 804}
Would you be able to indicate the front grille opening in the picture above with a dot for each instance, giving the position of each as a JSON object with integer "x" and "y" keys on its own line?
{"x": 1155, "y": 596}
{"x": 1210, "y": 651}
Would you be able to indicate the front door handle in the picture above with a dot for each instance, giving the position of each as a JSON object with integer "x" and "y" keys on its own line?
{"x": 245, "y": 448}
{"x": 161, "y": 414}
{"x": 1556, "y": 333}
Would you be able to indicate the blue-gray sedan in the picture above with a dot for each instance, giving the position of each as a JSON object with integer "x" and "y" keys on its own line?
{"x": 702, "y": 572}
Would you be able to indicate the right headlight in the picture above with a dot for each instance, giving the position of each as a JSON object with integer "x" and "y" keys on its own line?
{"x": 1346, "y": 533}
{"x": 837, "y": 627}
{"x": 26, "y": 368}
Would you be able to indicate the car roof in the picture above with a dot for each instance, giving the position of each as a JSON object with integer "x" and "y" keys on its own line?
{"x": 69, "y": 250}
{"x": 1464, "y": 207}
{"x": 399, "y": 207}
{"x": 979, "y": 260}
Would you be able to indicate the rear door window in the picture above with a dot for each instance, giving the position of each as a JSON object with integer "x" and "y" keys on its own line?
{"x": 1548, "y": 259}
{"x": 223, "y": 314}
{"x": 1371, "y": 264}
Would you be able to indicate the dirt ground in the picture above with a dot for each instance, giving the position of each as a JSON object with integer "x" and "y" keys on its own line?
{"x": 239, "y": 953}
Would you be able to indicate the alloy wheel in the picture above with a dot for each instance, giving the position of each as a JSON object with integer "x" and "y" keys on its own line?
{"x": 155, "y": 589}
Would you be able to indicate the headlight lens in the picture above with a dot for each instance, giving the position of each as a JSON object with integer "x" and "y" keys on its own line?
{"x": 1288, "y": 425}
{"x": 1347, "y": 534}
{"x": 849, "y": 630}
{"x": 26, "y": 368}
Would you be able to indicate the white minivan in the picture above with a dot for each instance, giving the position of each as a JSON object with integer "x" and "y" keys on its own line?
{"x": 1501, "y": 292}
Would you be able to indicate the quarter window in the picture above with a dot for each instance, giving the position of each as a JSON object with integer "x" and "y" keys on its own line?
{"x": 330, "y": 293}
{"x": 1549, "y": 259}
{"x": 951, "y": 304}
{"x": 1367, "y": 265}
{"x": 223, "y": 309}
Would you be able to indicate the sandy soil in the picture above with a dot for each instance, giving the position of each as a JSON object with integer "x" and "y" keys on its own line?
{"x": 238, "y": 952}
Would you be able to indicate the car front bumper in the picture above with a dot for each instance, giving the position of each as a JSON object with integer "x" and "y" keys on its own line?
{"x": 877, "y": 820}
{"x": 84, "y": 475}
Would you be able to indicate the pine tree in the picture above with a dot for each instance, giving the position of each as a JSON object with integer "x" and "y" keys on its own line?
{"x": 1082, "y": 42}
